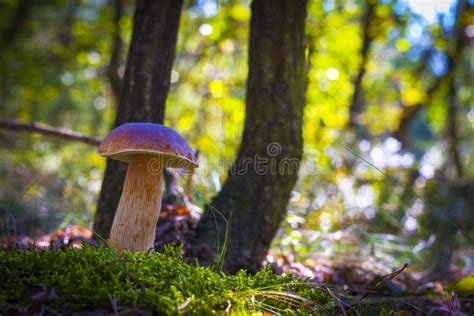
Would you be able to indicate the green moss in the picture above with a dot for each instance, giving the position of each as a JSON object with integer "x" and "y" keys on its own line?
{"x": 93, "y": 277}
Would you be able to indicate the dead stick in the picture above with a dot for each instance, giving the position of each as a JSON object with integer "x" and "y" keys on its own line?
{"x": 46, "y": 130}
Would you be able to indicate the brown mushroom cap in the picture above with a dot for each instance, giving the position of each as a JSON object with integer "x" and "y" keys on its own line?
{"x": 127, "y": 140}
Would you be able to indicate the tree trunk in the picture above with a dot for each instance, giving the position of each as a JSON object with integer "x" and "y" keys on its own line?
{"x": 452, "y": 129}
{"x": 145, "y": 88}
{"x": 358, "y": 103}
{"x": 116, "y": 52}
{"x": 459, "y": 42}
{"x": 19, "y": 18}
{"x": 259, "y": 184}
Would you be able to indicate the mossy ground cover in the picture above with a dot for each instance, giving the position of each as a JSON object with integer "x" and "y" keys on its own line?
{"x": 98, "y": 278}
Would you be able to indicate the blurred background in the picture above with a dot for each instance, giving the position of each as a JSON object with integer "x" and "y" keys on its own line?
{"x": 392, "y": 183}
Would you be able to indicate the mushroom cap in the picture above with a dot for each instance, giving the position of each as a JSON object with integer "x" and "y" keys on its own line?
{"x": 131, "y": 139}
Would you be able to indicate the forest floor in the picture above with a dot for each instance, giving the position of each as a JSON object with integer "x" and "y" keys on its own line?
{"x": 341, "y": 289}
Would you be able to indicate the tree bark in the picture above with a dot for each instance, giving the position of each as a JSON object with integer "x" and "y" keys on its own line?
{"x": 145, "y": 88}
{"x": 259, "y": 184}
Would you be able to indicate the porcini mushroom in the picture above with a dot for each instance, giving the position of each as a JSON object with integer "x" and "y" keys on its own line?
{"x": 147, "y": 148}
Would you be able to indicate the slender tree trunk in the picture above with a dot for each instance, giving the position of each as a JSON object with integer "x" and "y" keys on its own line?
{"x": 452, "y": 130}
{"x": 145, "y": 88}
{"x": 446, "y": 220}
{"x": 459, "y": 42}
{"x": 259, "y": 184}
{"x": 116, "y": 52}
{"x": 358, "y": 103}
{"x": 19, "y": 18}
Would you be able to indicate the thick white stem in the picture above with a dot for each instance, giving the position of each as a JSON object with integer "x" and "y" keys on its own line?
{"x": 139, "y": 207}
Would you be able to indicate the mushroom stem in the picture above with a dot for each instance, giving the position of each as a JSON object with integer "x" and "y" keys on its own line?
{"x": 139, "y": 207}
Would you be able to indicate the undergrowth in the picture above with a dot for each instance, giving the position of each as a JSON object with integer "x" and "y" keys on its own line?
{"x": 88, "y": 278}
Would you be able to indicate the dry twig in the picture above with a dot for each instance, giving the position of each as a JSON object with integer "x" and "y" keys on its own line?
{"x": 47, "y": 130}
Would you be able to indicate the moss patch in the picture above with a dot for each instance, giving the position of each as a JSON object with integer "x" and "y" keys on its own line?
{"x": 88, "y": 278}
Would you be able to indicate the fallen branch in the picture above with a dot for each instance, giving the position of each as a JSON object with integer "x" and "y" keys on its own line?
{"x": 46, "y": 130}
{"x": 379, "y": 281}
